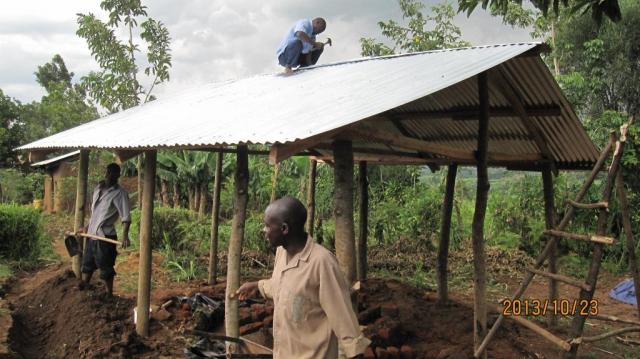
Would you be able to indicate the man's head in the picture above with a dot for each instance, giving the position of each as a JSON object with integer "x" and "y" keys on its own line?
{"x": 284, "y": 219}
{"x": 112, "y": 174}
{"x": 318, "y": 25}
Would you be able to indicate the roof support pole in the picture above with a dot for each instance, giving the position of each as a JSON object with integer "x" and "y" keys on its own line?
{"x": 477, "y": 234}
{"x": 81, "y": 200}
{"x": 274, "y": 182}
{"x": 311, "y": 196}
{"x": 629, "y": 242}
{"x": 363, "y": 207}
{"x": 235, "y": 244}
{"x": 146, "y": 218}
{"x": 445, "y": 230}
{"x": 343, "y": 208}
{"x": 48, "y": 192}
{"x": 550, "y": 223}
{"x": 215, "y": 220}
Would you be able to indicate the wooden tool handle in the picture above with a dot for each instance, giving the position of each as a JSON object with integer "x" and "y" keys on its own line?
{"x": 92, "y": 236}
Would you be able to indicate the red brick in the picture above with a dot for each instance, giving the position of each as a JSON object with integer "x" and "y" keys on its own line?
{"x": 382, "y": 353}
{"x": 245, "y": 315}
{"x": 394, "y": 353}
{"x": 268, "y": 321}
{"x": 250, "y": 328}
{"x": 406, "y": 352}
{"x": 368, "y": 354}
{"x": 258, "y": 314}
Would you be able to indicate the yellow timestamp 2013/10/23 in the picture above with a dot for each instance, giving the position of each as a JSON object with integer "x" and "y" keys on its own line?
{"x": 538, "y": 307}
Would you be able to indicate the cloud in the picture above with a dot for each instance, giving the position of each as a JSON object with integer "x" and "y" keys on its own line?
{"x": 212, "y": 40}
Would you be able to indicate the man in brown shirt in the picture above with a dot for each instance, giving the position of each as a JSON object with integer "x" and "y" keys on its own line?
{"x": 312, "y": 307}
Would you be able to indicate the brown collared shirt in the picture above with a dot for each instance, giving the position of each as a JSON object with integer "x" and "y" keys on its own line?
{"x": 312, "y": 306}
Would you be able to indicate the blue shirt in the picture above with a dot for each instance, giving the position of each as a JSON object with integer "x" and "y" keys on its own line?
{"x": 303, "y": 25}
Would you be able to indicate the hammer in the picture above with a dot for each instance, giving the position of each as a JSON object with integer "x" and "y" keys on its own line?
{"x": 328, "y": 42}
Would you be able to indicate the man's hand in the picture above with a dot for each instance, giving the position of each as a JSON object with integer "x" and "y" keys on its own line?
{"x": 125, "y": 242}
{"x": 247, "y": 290}
{"x": 318, "y": 45}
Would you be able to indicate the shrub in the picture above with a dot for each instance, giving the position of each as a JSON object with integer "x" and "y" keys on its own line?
{"x": 21, "y": 233}
{"x": 21, "y": 188}
{"x": 165, "y": 226}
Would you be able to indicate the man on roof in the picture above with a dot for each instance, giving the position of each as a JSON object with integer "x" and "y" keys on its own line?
{"x": 299, "y": 46}
{"x": 312, "y": 313}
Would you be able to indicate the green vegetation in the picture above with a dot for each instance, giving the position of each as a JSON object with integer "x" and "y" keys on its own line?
{"x": 22, "y": 239}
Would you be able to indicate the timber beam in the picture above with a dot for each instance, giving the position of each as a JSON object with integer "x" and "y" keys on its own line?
{"x": 472, "y": 113}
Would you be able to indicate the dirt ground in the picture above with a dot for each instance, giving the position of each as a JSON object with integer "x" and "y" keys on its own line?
{"x": 53, "y": 319}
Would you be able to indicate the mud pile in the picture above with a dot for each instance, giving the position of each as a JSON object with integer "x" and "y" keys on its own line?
{"x": 58, "y": 321}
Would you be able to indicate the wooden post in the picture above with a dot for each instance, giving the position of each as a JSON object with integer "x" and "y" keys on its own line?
{"x": 550, "y": 223}
{"x": 215, "y": 219}
{"x": 274, "y": 182}
{"x": 343, "y": 208}
{"x": 363, "y": 201}
{"x": 479, "y": 265}
{"x": 631, "y": 248}
{"x": 311, "y": 196}
{"x": 445, "y": 230}
{"x": 146, "y": 218}
{"x": 81, "y": 200}
{"x": 235, "y": 244}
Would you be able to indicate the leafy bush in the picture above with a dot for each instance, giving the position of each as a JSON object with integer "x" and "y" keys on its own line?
{"x": 21, "y": 233}
{"x": 166, "y": 224}
{"x": 20, "y": 188}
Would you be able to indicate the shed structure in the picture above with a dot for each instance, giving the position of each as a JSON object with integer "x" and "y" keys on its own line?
{"x": 57, "y": 168}
{"x": 479, "y": 106}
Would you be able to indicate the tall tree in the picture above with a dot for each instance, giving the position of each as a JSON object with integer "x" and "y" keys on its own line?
{"x": 11, "y": 130}
{"x": 64, "y": 105}
{"x": 117, "y": 86}
{"x": 421, "y": 32}
{"x": 598, "y": 8}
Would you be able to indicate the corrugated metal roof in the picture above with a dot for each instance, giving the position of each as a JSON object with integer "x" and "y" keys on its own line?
{"x": 271, "y": 109}
{"x": 66, "y": 156}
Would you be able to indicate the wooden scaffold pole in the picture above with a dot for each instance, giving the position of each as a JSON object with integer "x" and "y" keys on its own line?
{"x": 477, "y": 235}
{"x": 235, "y": 244}
{"x": 550, "y": 223}
{"x": 343, "y": 208}
{"x": 311, "y": 196}
{"x": 81, "y": 200}
{"x": 363, "y": 209}
{"x": 215, "y": 220}
{"x": 445, "y": 231}
{"x": 146, "y": 219}
{"x": 629, "y": 242}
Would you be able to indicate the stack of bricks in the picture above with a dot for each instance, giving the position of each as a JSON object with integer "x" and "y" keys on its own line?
{"x": 387, "y": 336}
{"x": 255, "y": 317}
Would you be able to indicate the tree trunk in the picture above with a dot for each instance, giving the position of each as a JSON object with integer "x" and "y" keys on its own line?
{"x": 343, "y": 208}
{"x": 203, "y": 202}
{"x": 144, "y": 269}
{"x": 235, "y": 244}
{"x": 190, "y": 197}
{"x": 81, "y": 200}
{"x": 164, "y": 193}
{"x": 311, "y": 196}
{"x": 445, "y": 231}
{"x": 479, "y": 262}
{"x": 176, "y": 194}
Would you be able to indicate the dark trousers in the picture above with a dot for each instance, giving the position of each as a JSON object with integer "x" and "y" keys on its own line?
{"x": 102, "y": 255}
{"x": 293, "y": 56}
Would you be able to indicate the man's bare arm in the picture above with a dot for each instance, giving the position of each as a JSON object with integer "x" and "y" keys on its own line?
{"x": 125, "y": 234}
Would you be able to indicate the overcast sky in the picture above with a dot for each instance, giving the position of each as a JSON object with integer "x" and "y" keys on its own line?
{"x": 212, "y": 40}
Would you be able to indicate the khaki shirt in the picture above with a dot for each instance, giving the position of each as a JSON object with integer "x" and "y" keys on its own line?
{"x": 312, "y": 306}
{"x": 106, "y": 207}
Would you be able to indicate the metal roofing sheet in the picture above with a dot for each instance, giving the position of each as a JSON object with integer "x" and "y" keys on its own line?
{"x": 66, "y": 156}
{"x": 277, "y": 109}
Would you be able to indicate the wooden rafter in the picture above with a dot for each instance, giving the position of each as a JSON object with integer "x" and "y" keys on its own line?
{"x": 468, "y": 113}
{"x": 500, "y": 80}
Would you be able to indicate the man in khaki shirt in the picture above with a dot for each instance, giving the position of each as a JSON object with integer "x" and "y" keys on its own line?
{"x": 312, "y": 307}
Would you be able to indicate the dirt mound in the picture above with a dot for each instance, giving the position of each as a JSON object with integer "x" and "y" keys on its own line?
{"x": 57, "y": 320}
